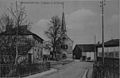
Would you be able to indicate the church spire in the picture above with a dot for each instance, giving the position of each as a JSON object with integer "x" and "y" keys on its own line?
{"x": 63, "y": 28}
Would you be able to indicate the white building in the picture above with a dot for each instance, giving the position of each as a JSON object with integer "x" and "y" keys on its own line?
{"x": 85, "y": 52}
{"x": 37, "y": 49}
{"x": 111, "y": 49}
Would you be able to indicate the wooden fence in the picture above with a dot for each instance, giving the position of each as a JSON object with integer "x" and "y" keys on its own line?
{"x": 23, "y": 70}
{"x": 110, "y": 69}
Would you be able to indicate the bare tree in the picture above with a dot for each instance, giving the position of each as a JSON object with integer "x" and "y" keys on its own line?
{"x": 19, "y": 15}
{"x": 14, "y": 17}
{"x": 5, "y": 21}
{"x": 54, "y": 33}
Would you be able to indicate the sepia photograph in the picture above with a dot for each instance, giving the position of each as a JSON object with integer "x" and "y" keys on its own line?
{"x": 59, "y": 39}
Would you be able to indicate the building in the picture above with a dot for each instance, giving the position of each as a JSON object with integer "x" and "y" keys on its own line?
{"x": 67, "y": 43}
{"x": 111, "y": 49}
{"x": 37, "y": 49}
{"x": 84, "y": 52}
{"x": 23, "y": 41}
{"x": 47, "y": 48}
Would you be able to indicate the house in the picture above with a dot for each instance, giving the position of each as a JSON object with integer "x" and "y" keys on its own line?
{"x": 47, "y": 48}
{"x": 111, "y": 49}
{"x": 37, "y": 49}
{"x": 85, "y": 52}
{"x": 22, "y": 40}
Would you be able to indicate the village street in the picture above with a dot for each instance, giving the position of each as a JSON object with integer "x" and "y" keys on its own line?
{"x": 75, "y": 69}
{"x": 59, "y": 39}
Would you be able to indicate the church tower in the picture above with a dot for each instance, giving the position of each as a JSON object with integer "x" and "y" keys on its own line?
{"x": 65, "y": 39}
{"x": 63, "y": 26}
{"x": 66, "y": 42}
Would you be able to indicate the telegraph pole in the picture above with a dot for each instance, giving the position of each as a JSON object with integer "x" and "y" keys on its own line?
{"x": 95, "y": 56}
{"x": 102, "y": 4}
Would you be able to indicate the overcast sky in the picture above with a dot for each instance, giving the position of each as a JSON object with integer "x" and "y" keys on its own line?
{"x": 83, "y": 18}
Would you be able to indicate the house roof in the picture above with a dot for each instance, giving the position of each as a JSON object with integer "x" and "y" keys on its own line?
{"x": 22, "y": 30}
{"x": 36, "y": 37}
{"x": 24, "y": 46}
{"x": 85, "y": 47}
{"x": 111, "y": 43}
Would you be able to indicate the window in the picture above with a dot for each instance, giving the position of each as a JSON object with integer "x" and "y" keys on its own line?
{"x": 64, "y": 46}
{"x": 35, "y": 49}
{"x": 64, "y": 38}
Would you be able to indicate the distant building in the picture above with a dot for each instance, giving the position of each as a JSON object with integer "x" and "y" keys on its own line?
{"x": 111, "y": 49}
{"x": 67, "y": 45}
{"x": 84, "y": 52}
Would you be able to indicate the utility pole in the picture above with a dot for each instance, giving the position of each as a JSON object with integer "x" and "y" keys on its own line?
{"x": 102, "y": 4}
{"x": 95, "y": 56}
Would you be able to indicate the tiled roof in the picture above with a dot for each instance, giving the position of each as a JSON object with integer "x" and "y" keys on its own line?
{"x": 22, "y": 30}
{"x": 111, "y": 43}
{"x": 85, "y": 47}
{"x": 24, "y": 46}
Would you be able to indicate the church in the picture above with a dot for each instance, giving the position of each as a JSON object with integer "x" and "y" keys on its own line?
{"x": 67, "y": 43}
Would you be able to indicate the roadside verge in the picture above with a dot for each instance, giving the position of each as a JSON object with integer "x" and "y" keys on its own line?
{"x": 85, "y": 74}
{"x": 42, "y": 74}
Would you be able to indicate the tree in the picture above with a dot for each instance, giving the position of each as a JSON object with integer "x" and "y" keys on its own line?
{"x": 14, "y": 17}
{"x": 19, "y": 16}
{"x": 5, "y": 21}
{"x": 54, "y": 33}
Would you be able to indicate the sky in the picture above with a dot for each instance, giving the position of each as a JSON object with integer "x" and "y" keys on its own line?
{"x": 83, "y": 18}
